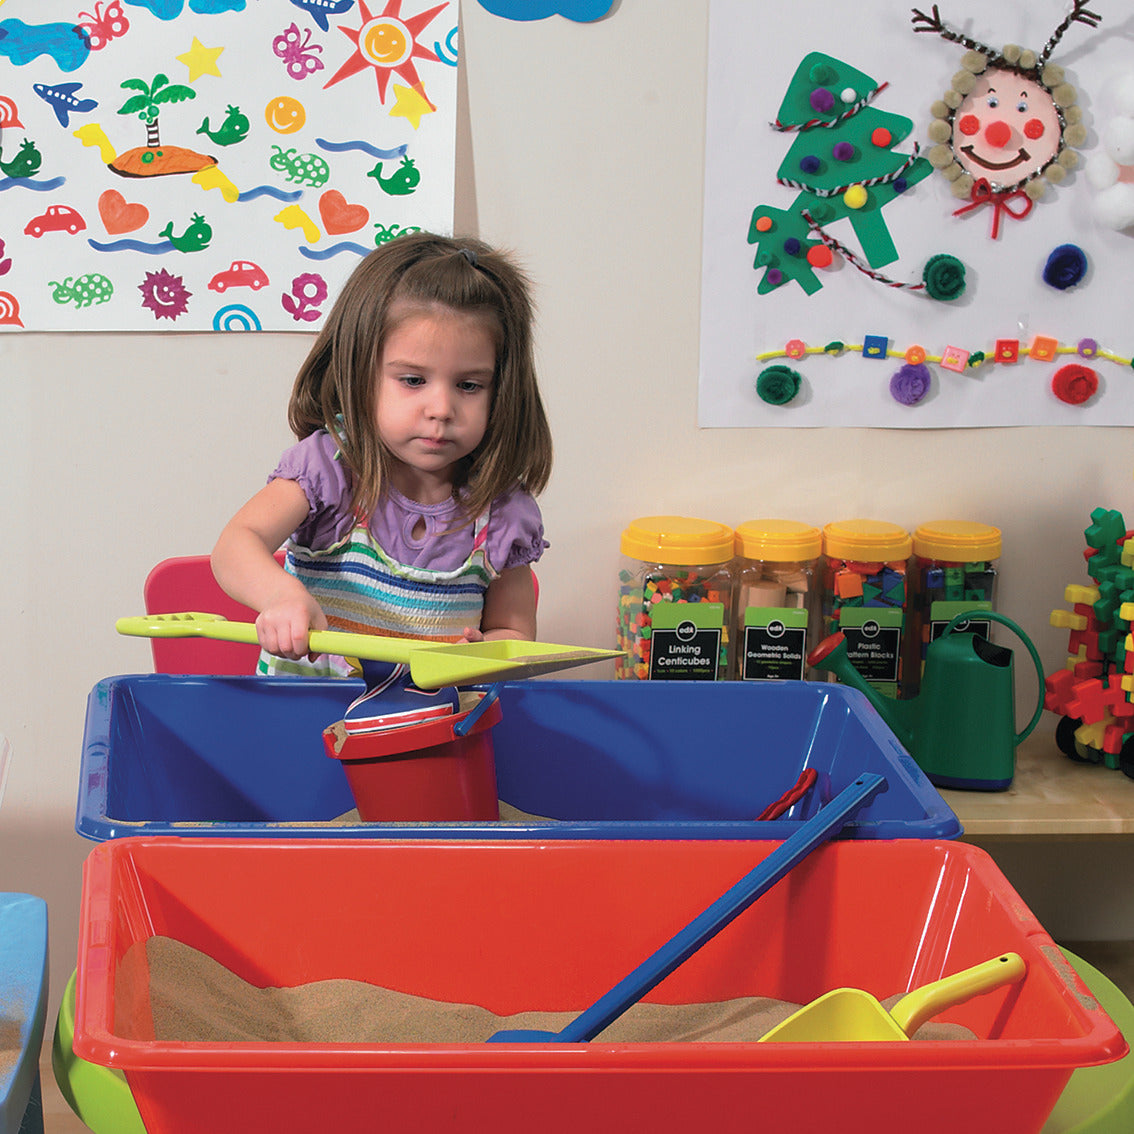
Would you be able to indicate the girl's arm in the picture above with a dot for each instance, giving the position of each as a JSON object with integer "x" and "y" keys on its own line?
{"x": 244, "y": 564}
{"x": 509, "y": 608}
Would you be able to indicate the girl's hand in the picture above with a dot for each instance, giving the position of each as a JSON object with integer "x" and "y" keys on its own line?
{"x": 470, "y": 634}
{"x": 283, "y": 628}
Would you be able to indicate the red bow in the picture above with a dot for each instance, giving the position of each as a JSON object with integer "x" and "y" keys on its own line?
{"x": 983, "y": 194}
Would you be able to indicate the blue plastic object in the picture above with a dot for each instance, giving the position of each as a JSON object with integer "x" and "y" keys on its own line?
{"x": 23, "y": 1006}
{"x": 707, "y": 924}
{"x": 243, "y": 756}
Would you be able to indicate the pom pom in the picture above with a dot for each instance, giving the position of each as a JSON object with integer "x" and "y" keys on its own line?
{"x": 1028, "y": 60}
{"x": 1036, "y": 189}
{"x": 944, "y": 277}
{"x": 792, "y": 246}
{"x": 822, "y": 101}
{"x": 1055, "y": 172}
{"x": 820, "y": 74}
{"x": 1118, "y": 140}
{"x": 1114, "y": 206}
{"x": 842, "y": 151}
{"x": 962, "y": 188}
{"x": 1100, "y": 171}
{"x": 1074, "y": 384}
{"x": 940, "y": 109}
{"x": 940, "y": 131}
{"x": 1064, "y": 95}
{"x": 974, "y": 61}
{"x": 1011, "y": 53}
{"x": 1075, "y": 135}
{"x": 855, "y": 197}
{"x": 964, "y": 81}
{"x": 775, "y": 277}
{"x": 1065, "y": 267}
{"x": 1123, "y": 92}
{"x": 809, "y": 163}
{"x": 940, "y": 156}
{"x": 910, "y": 383}
{"x": 777, "y": 385}
{"x": 848, "y": 95}
{"x": 1052, "y": 76}
{"x": 952, "y": 99}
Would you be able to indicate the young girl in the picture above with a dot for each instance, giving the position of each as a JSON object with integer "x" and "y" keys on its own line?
{"x": 408, "y": 499}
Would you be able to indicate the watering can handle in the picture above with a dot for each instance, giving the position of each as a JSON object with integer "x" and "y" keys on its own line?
{"x": 992, "y": 615}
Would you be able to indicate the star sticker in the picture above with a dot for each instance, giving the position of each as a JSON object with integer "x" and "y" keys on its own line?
{"x": 201, "y": 60}
{"x": 410, "y": 103}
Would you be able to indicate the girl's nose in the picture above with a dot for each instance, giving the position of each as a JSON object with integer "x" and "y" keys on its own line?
{"x": 997, "y": 134}
{"x": 441, "y": 403}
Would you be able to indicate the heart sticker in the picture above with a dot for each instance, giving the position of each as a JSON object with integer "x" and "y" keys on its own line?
{"x": 339, "y": 216}
{"x": 118, "y": 215}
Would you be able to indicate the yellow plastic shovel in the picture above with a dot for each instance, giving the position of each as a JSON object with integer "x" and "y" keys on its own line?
{"x": 850, "y": 1014}
{"x": 432, "y": 664}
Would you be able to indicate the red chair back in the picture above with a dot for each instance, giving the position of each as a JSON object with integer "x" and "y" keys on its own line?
{"x": 186, "y": 583}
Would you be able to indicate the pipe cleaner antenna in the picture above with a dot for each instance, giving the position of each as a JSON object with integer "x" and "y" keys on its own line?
{"x": 935, "y": 24}
{"x": 1079, "y": 14}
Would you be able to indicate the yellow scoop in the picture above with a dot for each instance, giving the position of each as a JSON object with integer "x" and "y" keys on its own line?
{"x": 432, "y": 664}
{"x": 849, "y": 1014}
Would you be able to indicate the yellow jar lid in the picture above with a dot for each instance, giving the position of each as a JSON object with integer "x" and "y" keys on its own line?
{"x": 867, "y": 541}
{"x": 963, "y": 541}
{"x": 677, "y": 540}
{"x": 780, "y": 541}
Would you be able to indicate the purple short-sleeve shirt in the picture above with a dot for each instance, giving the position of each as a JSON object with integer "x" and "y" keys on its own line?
{"x": 515, "y": 528}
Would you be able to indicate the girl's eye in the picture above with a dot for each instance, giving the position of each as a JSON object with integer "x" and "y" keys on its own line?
{"x": 411, "y": 379}
{"x": 993, "y": 101}
{"x": 471, "y": 387}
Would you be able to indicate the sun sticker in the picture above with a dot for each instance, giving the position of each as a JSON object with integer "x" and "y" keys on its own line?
{"x": 1007, "y": 125}
{"x": 388, "y": 44}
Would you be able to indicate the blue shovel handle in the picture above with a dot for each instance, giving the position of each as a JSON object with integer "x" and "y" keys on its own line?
{"x": 707, "y": 924}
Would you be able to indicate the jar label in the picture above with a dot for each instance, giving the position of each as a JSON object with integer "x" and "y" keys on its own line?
{"x": 775, "y": 643}
{"x": 942, "y": 613}
{"x": 874, "y": 637}
{"x": 686, "y": 641}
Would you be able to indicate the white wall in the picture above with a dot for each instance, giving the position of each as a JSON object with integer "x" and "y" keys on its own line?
{"x": 584, "y": 154}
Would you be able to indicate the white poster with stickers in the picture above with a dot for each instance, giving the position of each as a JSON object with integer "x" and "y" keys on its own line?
{"x": 214, "y": 164}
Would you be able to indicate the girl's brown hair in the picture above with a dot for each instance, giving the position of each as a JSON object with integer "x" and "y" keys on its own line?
{"x": 335, "y": 386}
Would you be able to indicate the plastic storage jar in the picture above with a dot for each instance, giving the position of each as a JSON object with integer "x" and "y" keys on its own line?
{"x": 865, "y": 565}
{"x": 675, "y": 599}
{"x": 776, "y": 620}
{"x": 955, "y": 568}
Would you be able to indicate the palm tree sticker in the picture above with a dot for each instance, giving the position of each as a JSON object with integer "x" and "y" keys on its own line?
{"x": 153, "y": 159}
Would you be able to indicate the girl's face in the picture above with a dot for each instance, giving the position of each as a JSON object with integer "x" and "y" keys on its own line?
{"x": 1006, "y": 129}
{"x": 433, "y": 396}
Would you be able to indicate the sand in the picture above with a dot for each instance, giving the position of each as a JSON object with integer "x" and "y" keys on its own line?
{"x": 194, "y": 999}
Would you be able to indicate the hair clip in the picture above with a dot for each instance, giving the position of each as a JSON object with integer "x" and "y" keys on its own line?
{"x": 469, "y": 255}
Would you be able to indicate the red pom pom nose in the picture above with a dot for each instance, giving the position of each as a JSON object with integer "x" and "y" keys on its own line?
{"x": 997, "y": 134}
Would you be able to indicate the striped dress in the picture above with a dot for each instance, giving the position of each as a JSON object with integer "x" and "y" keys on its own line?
{"x": 363, "y": 590}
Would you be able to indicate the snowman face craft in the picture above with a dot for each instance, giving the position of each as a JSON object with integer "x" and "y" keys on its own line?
{"x": 1006, "y": 130}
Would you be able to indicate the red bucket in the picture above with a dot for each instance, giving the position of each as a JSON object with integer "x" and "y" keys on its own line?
{"x": 422, "y": 773}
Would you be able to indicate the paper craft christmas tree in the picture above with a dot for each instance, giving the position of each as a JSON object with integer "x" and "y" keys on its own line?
{"x": 845, "y": 167}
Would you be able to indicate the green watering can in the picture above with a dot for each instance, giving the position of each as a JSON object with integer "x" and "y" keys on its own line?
{"x": 961, "y": 728}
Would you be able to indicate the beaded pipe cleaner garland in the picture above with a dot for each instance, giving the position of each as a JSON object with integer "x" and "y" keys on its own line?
{"x": 1074, "y": 384}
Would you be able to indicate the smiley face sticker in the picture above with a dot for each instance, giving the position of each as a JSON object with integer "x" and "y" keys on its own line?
{"x": 285, "y": 114}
